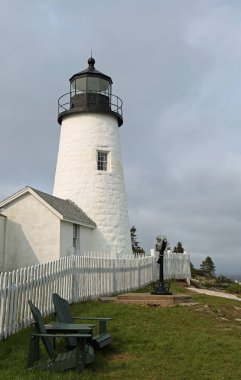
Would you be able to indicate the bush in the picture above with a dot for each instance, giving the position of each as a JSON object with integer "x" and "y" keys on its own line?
{"x": 221, "y": 279}
{"x": 234, "y": 288}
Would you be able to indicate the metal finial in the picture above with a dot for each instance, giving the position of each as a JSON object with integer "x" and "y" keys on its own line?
{"x": 91, "y": 62}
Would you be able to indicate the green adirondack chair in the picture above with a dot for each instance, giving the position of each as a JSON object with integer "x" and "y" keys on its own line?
{"x": 75, "y": 358}
{"x": 63, "y": 314}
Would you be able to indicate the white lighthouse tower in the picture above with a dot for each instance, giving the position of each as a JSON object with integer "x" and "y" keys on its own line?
{"x": 89, "y": 168}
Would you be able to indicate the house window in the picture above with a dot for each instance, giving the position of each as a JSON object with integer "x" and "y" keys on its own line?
{"x": 102, "y": 160}
{"x": 75, "y": 235}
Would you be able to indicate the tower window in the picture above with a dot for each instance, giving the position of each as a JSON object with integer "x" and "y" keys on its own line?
{"x": 102, "y": 160}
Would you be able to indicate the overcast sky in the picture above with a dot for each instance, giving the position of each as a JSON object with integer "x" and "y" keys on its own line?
{"x": 177, "y": 66}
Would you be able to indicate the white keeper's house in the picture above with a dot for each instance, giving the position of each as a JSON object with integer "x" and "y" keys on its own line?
{"x": 88, "y": 208}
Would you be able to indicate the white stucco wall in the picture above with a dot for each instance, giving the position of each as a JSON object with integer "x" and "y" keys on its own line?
{"x": 98, "y": 193}
{"x": 3, "y": 221}
{"x": 32, "y": 233}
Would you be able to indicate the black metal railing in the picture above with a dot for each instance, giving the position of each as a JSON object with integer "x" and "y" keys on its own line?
{"x": 115, "y": 103}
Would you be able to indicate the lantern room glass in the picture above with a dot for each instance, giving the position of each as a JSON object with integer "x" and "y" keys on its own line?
{"x": 90, "y": 84}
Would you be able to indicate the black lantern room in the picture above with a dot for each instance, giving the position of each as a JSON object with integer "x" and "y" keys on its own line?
{"x": 90, "y": 91}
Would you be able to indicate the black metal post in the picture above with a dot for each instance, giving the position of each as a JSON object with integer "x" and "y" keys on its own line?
{"x": 160, "y": 247}
{"x": 161, "y": 277}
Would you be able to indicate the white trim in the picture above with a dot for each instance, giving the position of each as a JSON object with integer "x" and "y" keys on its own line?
{"x": 14, "y": 196}
{"x": 79, "y": 223}
{"x": 104, "y": 149}
{"x": 46, "y": 204}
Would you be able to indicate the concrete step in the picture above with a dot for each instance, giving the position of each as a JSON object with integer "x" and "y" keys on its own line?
{"x": 108, "y": 299}
{"x": 149, "y": 299}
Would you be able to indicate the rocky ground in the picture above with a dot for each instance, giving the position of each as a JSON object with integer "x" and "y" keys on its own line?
{"x": 223, "y": 312}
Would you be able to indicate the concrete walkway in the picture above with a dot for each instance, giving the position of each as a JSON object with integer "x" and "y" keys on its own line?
{"x": 215, "y": 293}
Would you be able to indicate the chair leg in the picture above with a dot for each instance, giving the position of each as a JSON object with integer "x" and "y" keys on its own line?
{"x": 102, "y": 327}
{"x": 80, "y": 354}
{"x": 33, "y": 354}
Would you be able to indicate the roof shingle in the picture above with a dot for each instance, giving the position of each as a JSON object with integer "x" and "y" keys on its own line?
{"x": 67, "y": 208}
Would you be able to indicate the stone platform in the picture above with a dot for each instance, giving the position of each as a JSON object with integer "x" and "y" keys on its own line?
{"x": 149, "y": 299}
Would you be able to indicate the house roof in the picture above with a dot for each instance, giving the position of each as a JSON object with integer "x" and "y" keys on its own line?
{"x": 66, "y": 207}
{"x": 69, "y": 211}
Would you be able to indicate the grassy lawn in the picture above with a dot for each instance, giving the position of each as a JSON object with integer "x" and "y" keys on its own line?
{"x": 202, "y": 341}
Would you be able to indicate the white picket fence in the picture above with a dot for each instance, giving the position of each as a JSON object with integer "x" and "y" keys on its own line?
{"x": 76, "y": 278}
{"x": 175, "y": 266}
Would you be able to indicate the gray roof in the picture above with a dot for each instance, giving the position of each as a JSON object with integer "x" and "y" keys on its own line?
{"x": 68, "y": 209}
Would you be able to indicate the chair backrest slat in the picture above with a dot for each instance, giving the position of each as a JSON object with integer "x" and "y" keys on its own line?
{"x": 63, "y": 313}
{"x": 62, "y": 309}
{"x": 41, "y": 330}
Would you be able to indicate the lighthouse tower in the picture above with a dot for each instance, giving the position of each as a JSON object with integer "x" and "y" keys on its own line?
{"x": 89, "y": 168}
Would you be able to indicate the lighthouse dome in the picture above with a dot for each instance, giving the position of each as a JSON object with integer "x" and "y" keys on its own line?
{"x": 90, "y": 91}
{"x": 91, "y": 71}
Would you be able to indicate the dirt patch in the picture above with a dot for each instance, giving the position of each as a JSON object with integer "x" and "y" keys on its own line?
{"x": 124, "y": 357}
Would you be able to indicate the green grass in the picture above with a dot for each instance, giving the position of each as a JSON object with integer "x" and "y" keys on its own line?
{"x": 150, "y": 343}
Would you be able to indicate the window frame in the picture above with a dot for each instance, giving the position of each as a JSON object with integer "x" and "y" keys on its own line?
{"x": 75, "y": 235}
{"x": 102, "y": 163}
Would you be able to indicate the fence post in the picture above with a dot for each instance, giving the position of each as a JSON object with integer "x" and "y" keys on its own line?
{"x": 74, "y": 280}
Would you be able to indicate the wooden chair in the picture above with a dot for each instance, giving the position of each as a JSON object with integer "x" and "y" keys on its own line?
{"x": 72, "y": 359}
{"x": 63, "y": 313}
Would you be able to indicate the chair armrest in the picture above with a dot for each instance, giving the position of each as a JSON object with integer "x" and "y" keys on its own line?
{"x": 64, "y": 335}
{"x": 71, "y": 328}
{"x": 102, "y": 322}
